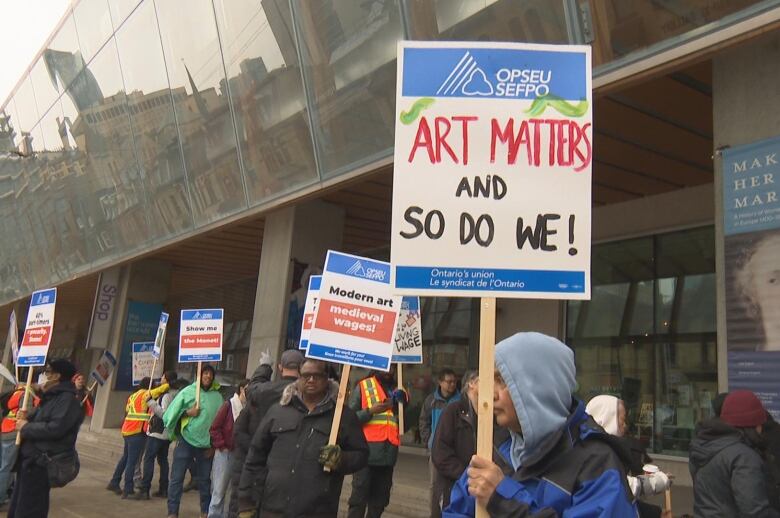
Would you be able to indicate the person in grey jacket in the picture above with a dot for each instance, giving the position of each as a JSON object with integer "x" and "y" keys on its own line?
{"x": 730, "y": 476}
{"x": 159, "y": 441}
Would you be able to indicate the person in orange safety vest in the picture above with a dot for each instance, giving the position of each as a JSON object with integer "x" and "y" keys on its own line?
{"x": 133, "y": 428}
{"x": 375, "y": 399}
{"x": 8, "y": 447}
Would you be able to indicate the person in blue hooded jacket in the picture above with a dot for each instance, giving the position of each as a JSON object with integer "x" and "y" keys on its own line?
{"x": 563, "y": 463}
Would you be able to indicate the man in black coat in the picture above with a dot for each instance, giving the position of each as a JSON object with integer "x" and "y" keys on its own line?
{"x": 261, "y": 394}
{"x": 50, "y": 429}
{"x": 730, "y": 475}
{"x": 455, "y": 440}
{"x": 284, "y": 467}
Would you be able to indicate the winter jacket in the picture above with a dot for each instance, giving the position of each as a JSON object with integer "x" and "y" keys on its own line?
{"x": 157, "y": 409}
{"x": 380, "y": 453}
{"x": 730, "y": 478}
{"x": 456, "y": 439}
{"x": 282, "y": 471}
{"x": 581, "y": 475}
{"x": 430, "y": 414}
{"x": 221, "y": 430}
{"x": 53, "y": 427}
{"x": 260, "y": 396}
{"x": 563, "y": 462}
{"x": 194, "y": 430}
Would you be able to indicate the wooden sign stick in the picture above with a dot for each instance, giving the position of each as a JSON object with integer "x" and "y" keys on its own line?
{"x": 487, "y": 345}
{"x": 89, "y": 390}
{"x": 401, "y": 428}
{"x": 334, "y": 427}
{"x": 197, "y": 387}
{"x": 26, "y": 402}
{"x": 668, "y": 497}
{"x": 151, "y": 376}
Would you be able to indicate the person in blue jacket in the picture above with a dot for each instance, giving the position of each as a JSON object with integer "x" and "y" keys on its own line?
{"x": 562, "y": 462}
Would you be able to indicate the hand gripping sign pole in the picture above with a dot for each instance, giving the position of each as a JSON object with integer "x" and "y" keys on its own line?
{"x": 26, "y": 402}
{"x": 334, "y": 429}
{"x": 487, "y": 341}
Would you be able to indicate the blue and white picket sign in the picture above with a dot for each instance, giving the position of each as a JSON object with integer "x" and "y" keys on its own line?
{"x": 312, "y": 301}
{"x": 407, "y": 345}
{"x": 159, "y": 339}
{"x": 492, "y": 170}
{"x": 38, "y": 330}
{"x": 143, "y": 360}
{"x": 357, "y": 312}
{"x": 200, "y": 335}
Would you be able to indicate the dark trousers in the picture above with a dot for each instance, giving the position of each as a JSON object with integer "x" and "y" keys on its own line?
{"x": 31, "y": 492}
{"x": 370, "y": 491}
{"x": 183, "y": 455}
{"x": 156, "y": 449}
{"x": 134, "y": 448}
{"x": 440, "y": 491}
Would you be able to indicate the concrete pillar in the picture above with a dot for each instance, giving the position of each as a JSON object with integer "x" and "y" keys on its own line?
{"x": 303, "y": 232}
{"x": 746, "y": 100}
{"x": 515, "y": 315}
{"x": 144, "y": 281}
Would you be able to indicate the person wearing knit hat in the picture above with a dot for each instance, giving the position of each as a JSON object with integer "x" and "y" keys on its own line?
{"x": 730, "y": 475}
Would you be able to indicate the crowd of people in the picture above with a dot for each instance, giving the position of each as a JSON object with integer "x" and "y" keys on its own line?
{"x": 267, "y": 452}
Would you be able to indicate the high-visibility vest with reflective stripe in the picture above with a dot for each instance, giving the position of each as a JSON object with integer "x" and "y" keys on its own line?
{"x": 14, "y": 402}
{"x": 382, "y": 427}
{"x": 137, "y": 415}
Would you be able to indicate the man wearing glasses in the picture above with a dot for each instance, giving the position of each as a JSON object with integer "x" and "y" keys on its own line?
{"x": 433, "y": 406}
{"x": 284, "y": 469}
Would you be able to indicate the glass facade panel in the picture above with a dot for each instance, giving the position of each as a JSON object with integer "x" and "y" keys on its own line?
{"x": 651, "y": 339}
{"x": 44, "y": 85}
{"x": 112, "y": 198}
{"x": 348, "y": 49}
{"x": 121, "y": 9}
{"x": 26, "y": 109}
{"x": 623, "y": 27}
{"x": 63, "y": 56}
{"x": 488, "y": 20}
{"x": 264, "y": 80}
{"x": 155, "y": 133}
{"x": 93, "y": 23}
{"x": 197, "y": 79}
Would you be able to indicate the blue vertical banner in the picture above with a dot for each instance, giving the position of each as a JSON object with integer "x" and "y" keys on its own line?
{"x": 751, "y": 227}
{"x": 140, "y": 326}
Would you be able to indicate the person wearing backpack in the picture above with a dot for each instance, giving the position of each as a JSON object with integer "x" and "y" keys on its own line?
{"x": 158, "y": 440}
{"x": 47, "y": 432}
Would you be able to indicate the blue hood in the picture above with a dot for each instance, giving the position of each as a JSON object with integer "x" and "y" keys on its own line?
{"x": 540, "y": 375}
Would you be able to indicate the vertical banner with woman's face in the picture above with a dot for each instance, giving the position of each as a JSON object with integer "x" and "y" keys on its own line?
{"x": 751, "y": 212}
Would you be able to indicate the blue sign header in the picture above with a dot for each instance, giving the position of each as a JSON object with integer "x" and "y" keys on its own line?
{"x": 201, "y": 314}
{"x": 494, "y": 73}
{"x": 358, "y": 267}
{"x": 314, "y": 282}
{"x": 44, "y": 297}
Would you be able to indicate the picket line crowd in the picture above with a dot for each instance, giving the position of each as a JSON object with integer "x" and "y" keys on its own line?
{"x": 265, "y": 452}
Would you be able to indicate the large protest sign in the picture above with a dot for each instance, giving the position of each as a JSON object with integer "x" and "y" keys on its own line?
{"x": 407, "y": 344}
{"x": 492, "y": 172}
{"x": 312, "y": 300}
{"x": 104, "y": 368}
{"x": 357, "y": 313}
{"x": 38, "y": 330}
{"x": 200, "y": 335}
{"x": 144, "y": 362}
{"x": 751, "y": 228}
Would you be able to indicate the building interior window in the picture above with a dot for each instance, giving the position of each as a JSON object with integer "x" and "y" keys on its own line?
{"x": 648, "y": 334}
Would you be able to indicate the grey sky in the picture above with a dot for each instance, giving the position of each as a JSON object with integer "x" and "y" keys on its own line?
{"x": 26, "y": 25}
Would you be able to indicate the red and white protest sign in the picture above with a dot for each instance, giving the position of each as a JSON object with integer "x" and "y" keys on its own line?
{"x": 200, "y": 335}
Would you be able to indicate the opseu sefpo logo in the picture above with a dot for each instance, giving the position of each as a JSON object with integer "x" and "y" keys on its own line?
{"x": 469, "y": 79}
{"x": 358, "y": 270}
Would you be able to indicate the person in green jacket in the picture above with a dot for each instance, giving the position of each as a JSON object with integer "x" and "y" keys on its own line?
{"x": 189, "y": 425}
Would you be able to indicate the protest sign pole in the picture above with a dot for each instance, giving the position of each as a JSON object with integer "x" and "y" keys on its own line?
{"x": 197, "y": 387}
{"x": 89, "y": 391}
{"x": 487, "y": 344}
{"x": 668, "y": 498}
{"x": 26, "y": 401}
{"x": 401, "y": 428}
{"x": 154, "y": 366}
{"x": 334, "y": 427}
